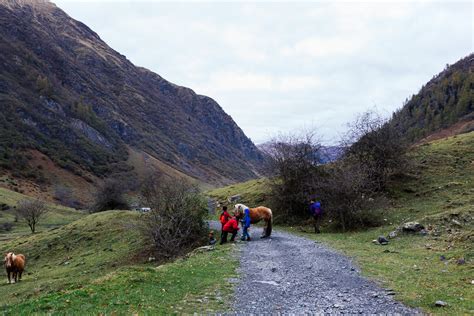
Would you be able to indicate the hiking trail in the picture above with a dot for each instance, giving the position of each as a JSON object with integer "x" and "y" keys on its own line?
{"x": 290, "y": 274}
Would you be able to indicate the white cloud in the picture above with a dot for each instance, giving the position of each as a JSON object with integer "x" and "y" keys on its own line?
{"x": 310, "y": 63}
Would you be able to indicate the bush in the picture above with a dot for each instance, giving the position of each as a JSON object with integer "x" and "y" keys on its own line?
{"x": 378, "y": 146}
{"x": 292, "y": 165}
{"x": 6, "y": 227}
{"x": 176, "y": 220}
{"x": 110, "y": 196}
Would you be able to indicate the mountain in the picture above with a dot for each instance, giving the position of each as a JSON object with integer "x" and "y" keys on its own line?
{"x": 445, "y": 103}
{"x": 69, "y": 99}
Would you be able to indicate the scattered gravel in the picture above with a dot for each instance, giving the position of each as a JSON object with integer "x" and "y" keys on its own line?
{"x": 294, "y": 275}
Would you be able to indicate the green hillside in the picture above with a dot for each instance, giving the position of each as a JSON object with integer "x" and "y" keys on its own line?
{"x": 57, "y": 216}
{"x": 439, "y": 194}
{"x": 97, "y": 265}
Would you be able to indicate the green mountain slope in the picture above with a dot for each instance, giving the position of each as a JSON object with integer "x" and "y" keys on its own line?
{"x": 67, "y": 94}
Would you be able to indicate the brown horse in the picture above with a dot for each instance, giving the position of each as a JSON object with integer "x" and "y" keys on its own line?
{"x": 15, "y": 265}
{"x": 256, "y": 215}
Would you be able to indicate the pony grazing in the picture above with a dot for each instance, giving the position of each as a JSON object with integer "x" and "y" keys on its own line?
{"x": 15, "y": 265}
{"x": 256, "y": 215}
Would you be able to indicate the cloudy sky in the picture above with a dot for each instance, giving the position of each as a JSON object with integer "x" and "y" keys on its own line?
{"x": 285, "y": 66}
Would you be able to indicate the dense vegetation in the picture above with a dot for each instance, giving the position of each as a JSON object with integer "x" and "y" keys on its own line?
{"x": 443, "y": 101}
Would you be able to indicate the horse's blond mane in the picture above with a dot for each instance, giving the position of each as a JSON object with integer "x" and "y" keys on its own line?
{"x": 240, "y": 207}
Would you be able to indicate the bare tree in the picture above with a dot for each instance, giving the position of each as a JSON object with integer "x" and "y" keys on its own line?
{"x": 377, "y": 145}
{"x": 292, "y": 163}
{"x": 31, "y": 211}
{"x": 176, "y": 220}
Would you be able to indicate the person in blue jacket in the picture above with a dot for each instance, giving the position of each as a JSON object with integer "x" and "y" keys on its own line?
{"x": 246, "y": 225}
{"x": 316, "y": 212}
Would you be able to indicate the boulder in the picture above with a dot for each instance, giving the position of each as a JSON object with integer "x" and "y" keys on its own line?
{"x": 393, "y": 234}
{"x": 412, "y": 227}
{"x": 441, "y": 303}
{"x": 382, "y": 240}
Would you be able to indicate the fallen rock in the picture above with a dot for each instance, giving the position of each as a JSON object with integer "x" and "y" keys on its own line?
{"x": 442, "y": 258}
{"x": 412, "y": 227}
{"x": 461, "y": 261}
{"x": 274, "y": 269}
{"x": 382, "y": 240}
{"x": 456, "y": 222}
{"x": 393, "y": 234}
{"x": 441, "y": 303}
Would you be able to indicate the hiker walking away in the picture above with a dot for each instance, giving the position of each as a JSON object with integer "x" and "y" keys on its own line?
{"x": 232, "y": 226}
{"x": 224, "y": 218}
{"x": 316, "y": 212}
{"x": 246, "y": 225}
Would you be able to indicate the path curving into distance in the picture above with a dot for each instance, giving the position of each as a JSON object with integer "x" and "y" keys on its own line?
{"x": 288, "y": 274}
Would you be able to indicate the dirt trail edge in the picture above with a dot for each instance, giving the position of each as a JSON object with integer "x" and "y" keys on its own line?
{"x": 290, "y": 274}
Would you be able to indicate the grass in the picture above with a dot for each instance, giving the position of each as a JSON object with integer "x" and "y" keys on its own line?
{"x": 95, "y": 265}
{"x": 197, "y": 283}
{"x": 252, "y": 193}
{"x": 440, "y": 194}
{"x": 57, "y": 216}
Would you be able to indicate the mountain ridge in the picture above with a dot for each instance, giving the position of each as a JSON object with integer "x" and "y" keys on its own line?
{"x": 69, "y": 95}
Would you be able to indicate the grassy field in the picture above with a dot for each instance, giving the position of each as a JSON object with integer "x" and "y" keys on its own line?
{"x": 57, "y": 216}
{"x": 440, "y": 194}
{"x": 252, "y": 193}
{"x": 94, "y": 265}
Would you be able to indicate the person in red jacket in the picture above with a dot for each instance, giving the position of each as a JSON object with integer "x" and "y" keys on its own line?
{"x": 224, "y": 218}
{"x": 232, "y": 226}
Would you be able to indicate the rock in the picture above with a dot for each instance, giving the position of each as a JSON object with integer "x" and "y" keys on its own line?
{"x": 412, "y": 227}
{"x": 393, "y": 234}
{"x": 423, "y": 232}
{"x": 273, "y": 269}
{"x": 456, "y": 222}
{"x": 461, "y": 261}
{"x": 382, "y": 240}
{"x": 441, "y": 304}
{"x": 151, "y": 259}
{"x": 442, "y": 258}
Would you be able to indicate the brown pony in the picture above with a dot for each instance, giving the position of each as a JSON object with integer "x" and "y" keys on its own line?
{"x": 256, "y": 215}
{"x": 15, "y": 265}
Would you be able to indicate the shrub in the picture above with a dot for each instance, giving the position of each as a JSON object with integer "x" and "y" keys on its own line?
{"x": 110, "y": 196}
{"x": 292, "y": 164}
{"x": 176, "y": 220}
{"x": 6, "y": 227}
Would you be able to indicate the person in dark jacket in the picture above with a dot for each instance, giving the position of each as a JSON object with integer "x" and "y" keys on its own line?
{"x": 232, "y": 226}
{"x": 246, "y": 225}
{"x": 316, "y": 212}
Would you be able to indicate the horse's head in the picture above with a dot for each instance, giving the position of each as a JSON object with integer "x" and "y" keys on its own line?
{"x": 239, "y": 210}
{"x": 8, "y": 261}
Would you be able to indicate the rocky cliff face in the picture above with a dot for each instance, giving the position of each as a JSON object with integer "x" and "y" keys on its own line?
{"x": 64, "y": 92}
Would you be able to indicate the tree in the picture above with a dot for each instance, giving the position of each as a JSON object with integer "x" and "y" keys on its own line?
{"x": 378, "y": 146}
{"x": 31, "y": 211}
{"x": 291, "y": 164}
{"x": 176, "y": 220}
{"x": 110, "y": 196}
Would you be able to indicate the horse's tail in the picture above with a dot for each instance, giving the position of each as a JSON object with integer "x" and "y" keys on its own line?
{"x": 268, "y": 232}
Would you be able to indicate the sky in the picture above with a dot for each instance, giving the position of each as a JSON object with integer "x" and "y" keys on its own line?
{"x": 283, "y": 67}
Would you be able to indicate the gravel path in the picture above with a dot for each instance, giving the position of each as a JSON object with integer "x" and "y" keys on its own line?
{"x": 294, "y": 275}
